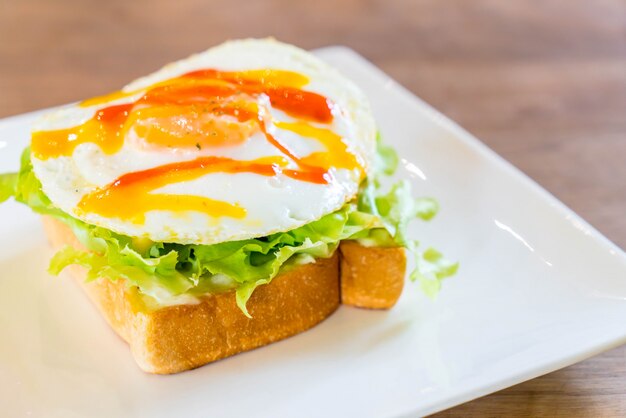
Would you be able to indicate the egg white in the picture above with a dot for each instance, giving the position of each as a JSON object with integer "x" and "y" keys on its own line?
{"x": 273, "y": 204}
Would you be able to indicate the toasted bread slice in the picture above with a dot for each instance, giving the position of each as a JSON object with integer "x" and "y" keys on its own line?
{"x": 177, "y": 338}
{"x": 371, "y": 277}
{"x": 182, "y": 337}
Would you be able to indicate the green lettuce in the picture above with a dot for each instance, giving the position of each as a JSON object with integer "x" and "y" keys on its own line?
{"x": 8, "y": 184}
{"x": 166, "y": 271}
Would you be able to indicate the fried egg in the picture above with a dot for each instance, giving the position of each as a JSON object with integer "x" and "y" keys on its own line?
{"x": 246, "y": 139}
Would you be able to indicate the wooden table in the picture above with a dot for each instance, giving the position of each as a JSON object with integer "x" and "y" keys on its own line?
{"x": 541, "y": 82}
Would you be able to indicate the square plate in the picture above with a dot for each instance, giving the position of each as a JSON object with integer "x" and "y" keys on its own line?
{"x": 538, "y": 289}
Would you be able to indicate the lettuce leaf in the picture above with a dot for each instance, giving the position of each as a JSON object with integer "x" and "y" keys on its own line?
{"x": 167, "y": 271}
{"x": 433, "y": 268}
{"x": 8, "y": 184}
{"x": 386, "y": 162}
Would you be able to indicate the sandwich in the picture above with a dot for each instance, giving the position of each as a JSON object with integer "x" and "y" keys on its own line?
{"x": 229, "y": 200}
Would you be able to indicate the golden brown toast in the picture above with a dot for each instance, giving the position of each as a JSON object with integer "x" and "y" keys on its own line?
{"x": 182, "y": 337}
{"x": 371, "y": 277}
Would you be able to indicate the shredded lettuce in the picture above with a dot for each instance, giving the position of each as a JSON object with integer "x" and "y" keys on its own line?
{"x": 166, "y": 270}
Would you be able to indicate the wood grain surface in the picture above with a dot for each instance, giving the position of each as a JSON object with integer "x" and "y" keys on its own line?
{"x": 543, "y": 83}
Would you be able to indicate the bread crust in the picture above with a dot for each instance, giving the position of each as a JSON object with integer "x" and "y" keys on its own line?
{"x": 182, "y": 337}
{"x": 371, "y": 277}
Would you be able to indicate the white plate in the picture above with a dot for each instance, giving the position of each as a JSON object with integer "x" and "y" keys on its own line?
{"x": 538, "y": 289}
